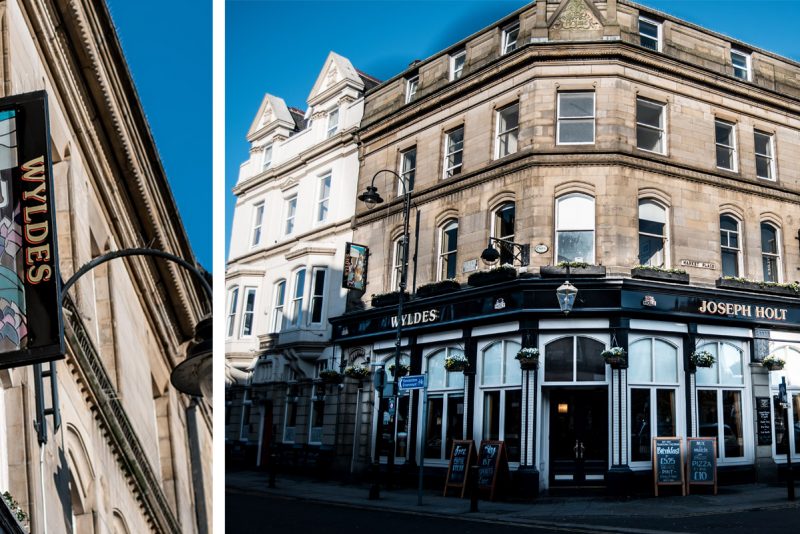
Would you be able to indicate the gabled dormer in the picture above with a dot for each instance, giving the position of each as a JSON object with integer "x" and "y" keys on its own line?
{"x": 337, "y": 81}
{"x": 274, "y": 120}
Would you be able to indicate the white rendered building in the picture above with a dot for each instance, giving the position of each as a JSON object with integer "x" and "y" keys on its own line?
{"x": 295, "y": 198}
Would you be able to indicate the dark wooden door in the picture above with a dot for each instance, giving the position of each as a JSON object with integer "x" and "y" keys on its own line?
{"x": 578, "y": 436}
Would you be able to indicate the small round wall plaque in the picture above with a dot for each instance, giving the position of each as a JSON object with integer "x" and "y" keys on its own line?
{"x": 541, "y": 248}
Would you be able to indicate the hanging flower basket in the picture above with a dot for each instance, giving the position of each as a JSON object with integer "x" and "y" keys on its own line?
{"x": 528, "y": 358}
{"x": 331, "y": 376}
{"x": 702, "y": 358}
{"x": 456, "y": 363}
{"x": 773, "y": 363}
{"x": 359, "y": 372}
{"x": 616, "y": 357}
{"x": 401, "y": 371}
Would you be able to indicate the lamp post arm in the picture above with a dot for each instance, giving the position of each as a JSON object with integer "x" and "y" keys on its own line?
{"x": 135, "y": 252}
{"x": 398, "y": 176}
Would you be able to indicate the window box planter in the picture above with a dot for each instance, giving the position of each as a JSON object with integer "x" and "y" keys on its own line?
{"x": 587, "y": 271}
{"x": 657, "y": 274}
{"x": 758, "y": 287}
{"x": 387, "y": 299}
{"x": 437, "y": 288}
{"x": 492, "y": 276}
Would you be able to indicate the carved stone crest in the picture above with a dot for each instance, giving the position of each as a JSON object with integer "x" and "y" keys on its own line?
{"x": 330, "y": 78}
{"x": 577, "y": 16}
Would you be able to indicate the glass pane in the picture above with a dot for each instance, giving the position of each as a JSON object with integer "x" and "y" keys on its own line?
{"x": 576, "y": 105}
{"x": 401, "y": 428}
{"x": 576, "y": 246}
{"x": 730, "y": 263}
{"x": 769, "y": 239}
{"x": 455, "y": 140}
{"x": 763, "y": 167}
{"x": 649, "y": 139}
{"x": 730, "y": 365}
{"x": 796, "y": 418}
{"x": 509, "y": 118}
{"x": 513, "y": 374}
{"x": 666, "y": 357}
{"x": 491, "y": 365}
{"x": 299, "y": 283}
{"x": 724, "y": 157}
{"x": 576, "y": 131}
{"x": 665, "y": 412}
{"x": 433, "y": 431}
{"x": 640, "y": 425}
{"x": 763, "y": 144}
{"x": 648, "y": 28}
{"x": 651, "y": 250}
{"x": 436, "y": 372}
{"x": 770, "y": 265}
{"x": 504, "y": 221}
{"x": 575, "y": 212}
{"x": 732, "y": 419}
{"x": 707, "y": 414}
{"x": 648, "y": 113}
{"x": 512, "y": 430}
{"x": 455, "y": 379}
{"x": 591, "y": 366}
{"x": 639, "y": 364}
{"x": 724, "y": 133}
{"x": 558, "y": 361}
{"x": 491, "y": 415}
{"x": 652, "y": 217}
{"x": 450, "y": 238}
{"x": 708, "y": 375}
{"x": 728, "y": 223}
{"x": 781, "y": 435}
{"x": 455, "y": 422}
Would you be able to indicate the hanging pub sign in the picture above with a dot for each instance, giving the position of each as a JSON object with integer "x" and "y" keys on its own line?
{"x": 30, "y": 283}
{"x": 355, "y": 267}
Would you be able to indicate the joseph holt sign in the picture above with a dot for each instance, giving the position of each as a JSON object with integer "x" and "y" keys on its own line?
{"x": 31, "y": 329}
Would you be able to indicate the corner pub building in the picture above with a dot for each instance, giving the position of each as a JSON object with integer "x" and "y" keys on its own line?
{"x": 611, "y": 136}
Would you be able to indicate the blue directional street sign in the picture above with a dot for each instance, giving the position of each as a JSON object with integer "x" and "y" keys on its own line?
{"x": 412, "y": 382}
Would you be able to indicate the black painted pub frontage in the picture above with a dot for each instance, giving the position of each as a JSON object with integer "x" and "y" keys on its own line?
{"x": 575, "y": 421}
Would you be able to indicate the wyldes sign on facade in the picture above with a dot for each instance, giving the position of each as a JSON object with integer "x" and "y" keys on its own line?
{"x": 31, "y": 329}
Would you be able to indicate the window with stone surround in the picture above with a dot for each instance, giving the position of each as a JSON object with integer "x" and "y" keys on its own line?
{"x": 765, "y": 155}
{"x": 575, "y": 118}
{"x": 408, "y": 169}
{"x": 333, "y": 122}
{"x": 725, "y": 137}
{"x": 510, "y": 36}
{"x": 457, "y": 62}
{"x": 503, "y": 222}
{"x": 233, "y": 302}
{"x": 507, "y": 130}
{"x": 411, "y": 88}
{"x": 448, "y": 250}
{"x": 278, "y": 302}
{"x": 575, "y": 228}
{"x": 291, "y": 212}
{"x": 731, "y": 245}
{"x": 266, "y": 157}
{"x": 453, "y": 152}
{"x": 741, "y": 65}
{"x": 653, "y": 234}
{"x": 248, "y": 311}
{"x": 650, "y": 34}
{"x": 258, "y": 222}
{"x": 771, "y": 252}
{"x": 650, "y": 126}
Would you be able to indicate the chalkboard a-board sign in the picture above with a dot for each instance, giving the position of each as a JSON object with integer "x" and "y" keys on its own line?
{"x": 764, "y": 420}
{"x": 492, "y": 462}
{"x": 462, "y": 455}
{"x": 668, "y": 463}
{"x": 701, "y": 467}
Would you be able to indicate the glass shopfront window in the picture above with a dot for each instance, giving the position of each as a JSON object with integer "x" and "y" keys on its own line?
{"x": 720, "y": 406}
{"x": 394, "y": 419}
{"x": 445, "y": 421}
{"x": 501, "y": 386}
{"x": 653, "y": 378}
{"x": 574, "y": 359}
{"x": 787, "y": 422}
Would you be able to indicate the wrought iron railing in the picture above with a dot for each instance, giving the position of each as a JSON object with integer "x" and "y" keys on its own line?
{"x": 113, "y": 416}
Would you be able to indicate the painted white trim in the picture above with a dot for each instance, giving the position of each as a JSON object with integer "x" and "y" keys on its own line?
{"x": 658, "y": 326}
{"x": 440, "y": 336}
{"x": 389, "y": 344}
{"x": 778, "y": 335}
{"x": 573, "y": 324}
{"x": 727, "y": 331}
{"x": 492, "y": 329}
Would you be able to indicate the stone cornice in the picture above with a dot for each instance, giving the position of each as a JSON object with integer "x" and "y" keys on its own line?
{"x": 338, "y": 141}
{"x": 527, "y": 159}
{"x": 308, "y": 251}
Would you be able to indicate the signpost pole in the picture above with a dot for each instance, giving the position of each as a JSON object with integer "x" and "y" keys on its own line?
{"x": 424, "y": 437}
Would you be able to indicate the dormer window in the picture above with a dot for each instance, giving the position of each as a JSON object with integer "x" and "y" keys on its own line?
{"x": 510, "y": 34}
{"x": 457, "y": 62}
{"x": 266, "y": 158}
{"x": 741, "y": 65}
{"x": 333, "y": 122}
{"x": 650, "y": 34}
{"x": 411, "y": 88}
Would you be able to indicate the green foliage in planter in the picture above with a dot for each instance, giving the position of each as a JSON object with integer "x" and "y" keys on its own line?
{"x": 437, "y": 288}
{"x": 702, "y": 358}
{"x": 13, "y": 505}
{"x": 659, "y": 269}
{"x": 358, "y": 372}
{"x": 402, "y": 370}
{"x": 387, "y": 299}
{"x": 494, "y": 275}
{"x": 573, "y": 264}
{"x": 331, "y": 376}
{"x": 793, "y": 286}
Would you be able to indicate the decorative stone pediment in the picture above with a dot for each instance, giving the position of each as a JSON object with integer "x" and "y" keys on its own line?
{"x": 336, "y": 73}
{"x": 576, "y": 20}
{"x": 272, "y": 110}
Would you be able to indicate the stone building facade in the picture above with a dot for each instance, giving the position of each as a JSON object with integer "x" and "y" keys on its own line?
{"x": 122, "y": 451}
{"x": 609, "y": 136}
{"x": 295, "y": 200}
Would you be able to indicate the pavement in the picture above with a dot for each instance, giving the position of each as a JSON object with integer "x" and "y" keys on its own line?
{"x": 568, "y": 511}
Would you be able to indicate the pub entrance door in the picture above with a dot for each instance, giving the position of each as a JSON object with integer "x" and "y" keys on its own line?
{"x": 578, "y": 436}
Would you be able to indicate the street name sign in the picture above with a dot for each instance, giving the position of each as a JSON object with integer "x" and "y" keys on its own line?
{"x": 412, "y": 382}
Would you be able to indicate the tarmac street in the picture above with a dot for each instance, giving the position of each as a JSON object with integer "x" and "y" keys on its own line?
{"x": 297, "y": 504}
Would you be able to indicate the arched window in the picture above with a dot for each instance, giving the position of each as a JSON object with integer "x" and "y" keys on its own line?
{"x": 574, "y": 359}
{"x": 730, "y": 244}
{"x": 785, "y": 441}
{"x": 397, "y": 259}
{"x": 652, "y": 233}
{"x": 575, "y": 228}
{"x": 720, "y": 389}
{"x": 770, "y": 252}
{"x": 501, "y": 386}
{"x": 445, "y": 405}
{"x": 448, "y": 250}
{"x": 297, "y": 299}
{"x": 653, "y": 378}
{"x": 503, "y": 222}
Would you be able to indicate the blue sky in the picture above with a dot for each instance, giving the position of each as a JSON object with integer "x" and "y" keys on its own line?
{"x": 168, "y": 49}
{"x": 279, "y": 47}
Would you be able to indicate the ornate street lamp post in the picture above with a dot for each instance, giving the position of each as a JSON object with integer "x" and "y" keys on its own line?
{"x": 371, "y": 198}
